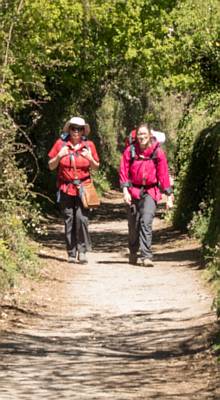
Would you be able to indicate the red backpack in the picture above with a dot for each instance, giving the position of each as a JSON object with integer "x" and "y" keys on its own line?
{"x": 131, "y": 138}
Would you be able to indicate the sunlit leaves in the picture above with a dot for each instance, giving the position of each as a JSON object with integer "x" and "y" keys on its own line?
{"x": 193, "y": 44}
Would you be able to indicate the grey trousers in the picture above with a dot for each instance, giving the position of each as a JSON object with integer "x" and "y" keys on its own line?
{"x": 76, "y": 224}
{"x": 140, "y": 219}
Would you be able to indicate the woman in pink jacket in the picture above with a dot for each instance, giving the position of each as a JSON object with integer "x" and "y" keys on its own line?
{"x": 143, "y": 176}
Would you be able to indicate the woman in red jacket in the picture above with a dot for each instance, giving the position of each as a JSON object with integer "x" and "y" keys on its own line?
{"x": 74, "y": 157}
{"x": 143, "y": 176}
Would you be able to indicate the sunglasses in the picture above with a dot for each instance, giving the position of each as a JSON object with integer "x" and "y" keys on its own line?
{"x": 76, "y": 128}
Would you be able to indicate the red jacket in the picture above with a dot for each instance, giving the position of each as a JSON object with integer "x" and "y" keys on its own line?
{"x": 73, "y": 166}
{"x": 143, "y": 174}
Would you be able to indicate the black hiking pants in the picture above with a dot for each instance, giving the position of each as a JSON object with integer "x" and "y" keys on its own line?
{"x": 140, "y": 220}
{"x": 76, "y": 224}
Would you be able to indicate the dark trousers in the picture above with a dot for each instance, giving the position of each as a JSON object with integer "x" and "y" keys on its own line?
{"x": 76, "y": 224}
{"x": 140, "y": 219}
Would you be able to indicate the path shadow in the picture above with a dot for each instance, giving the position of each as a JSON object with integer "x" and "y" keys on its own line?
{"x": 109, "y": 241}
{"x": 49, "y": 256}
{"x": 112, "y": 262}
{"x": 137, "y": 337}
{"x": 167, "y": 235}
{"x": 55, "y": 236}
{"x": 192, "y": 257}
{"x": 101, "y": 352}
{"x": 109, "y": 212}
{"x": 114, "y": 241}
{"x": 117, "y": 212}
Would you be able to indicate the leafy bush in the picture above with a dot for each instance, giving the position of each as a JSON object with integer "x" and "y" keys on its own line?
{"x": 198, "y": 226}
{"x": 212, "y": 256}
{"x": 197, "y": 165}
{"x": 17, "y": 254}
{"x": 8, "y": 268}
{"x": 198, "y": 186}
{"x": 101, "y": 181}
{"x": 108, "y": 128}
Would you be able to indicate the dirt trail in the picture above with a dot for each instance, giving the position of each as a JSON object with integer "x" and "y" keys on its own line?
{"x": 108, "y": 330}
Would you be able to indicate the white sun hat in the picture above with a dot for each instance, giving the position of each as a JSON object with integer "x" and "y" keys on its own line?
{"x": 78, "y": 121}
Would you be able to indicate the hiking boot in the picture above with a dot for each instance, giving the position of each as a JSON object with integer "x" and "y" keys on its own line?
{"x": 82, "y": 258}
{"x": 72, "y": 259}
{"x": 147, "y": 262}
{"x": 133, "y": 258}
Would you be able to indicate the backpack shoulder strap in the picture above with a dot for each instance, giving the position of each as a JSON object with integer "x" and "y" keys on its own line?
{"x": 64, "y": 136}
{"x": 132, "y": 152}
{"x": 153, "y": 155}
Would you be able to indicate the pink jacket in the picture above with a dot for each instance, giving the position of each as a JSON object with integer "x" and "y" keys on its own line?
{"x": 150, "y": 176}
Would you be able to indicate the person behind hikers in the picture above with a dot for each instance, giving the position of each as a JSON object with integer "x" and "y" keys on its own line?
{"x": 143, "y": 176}
{"x": 74, "y": 158}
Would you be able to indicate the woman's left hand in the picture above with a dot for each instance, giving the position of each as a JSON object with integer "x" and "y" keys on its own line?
{"x": 170, "y": 201}
{"x": 86, "y": 152}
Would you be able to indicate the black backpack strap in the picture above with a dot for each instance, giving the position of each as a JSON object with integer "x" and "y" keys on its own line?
{"x": 153, "y": 155}
{"x": 132, "y": 152}
{"x": 64, "y": 136}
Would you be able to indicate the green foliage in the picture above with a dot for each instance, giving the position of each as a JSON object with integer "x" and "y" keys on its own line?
{"x": 38, "y": 38}
{"x": 8, "y": 269}
{"x": 199, "y": 224}
{"x": 197, "y": 163}
{"x": 216, "y": 345}
{"x": 101, "y": 182}
{"x": 166, "y": 111}
{"x": 212, "y": 256}
{"x": 17, "y": 255}
{"x": 191, "y": 46}
{"x": 15, "y": 238}
{"x": 212, "y": 236}
{"x": 216, "y": 306}
{"x": 108, "y": 118}
{"x": 197, "y": 182}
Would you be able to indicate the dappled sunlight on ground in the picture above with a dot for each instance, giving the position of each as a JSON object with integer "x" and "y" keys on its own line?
{"x": 110, "y": 330}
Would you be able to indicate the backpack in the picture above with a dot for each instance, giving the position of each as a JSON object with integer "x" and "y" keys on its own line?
{"x": 65, "y": 137}
{"x": 132, "y": 139}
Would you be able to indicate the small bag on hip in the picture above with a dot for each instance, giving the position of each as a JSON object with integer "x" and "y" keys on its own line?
{"x": 89, "y": 196}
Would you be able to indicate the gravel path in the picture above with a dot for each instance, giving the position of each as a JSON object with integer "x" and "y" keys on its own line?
{"x": 111, "y": 330}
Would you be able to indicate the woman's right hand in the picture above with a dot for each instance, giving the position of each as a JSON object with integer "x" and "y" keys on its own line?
{"x": 127, "y": 196}
{"x": 63, "y": 151}
{"x": 54, "y": 162}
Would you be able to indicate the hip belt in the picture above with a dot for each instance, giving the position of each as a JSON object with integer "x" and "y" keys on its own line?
{"x": 145, "y": 186}
{"x": 75, "y": 182}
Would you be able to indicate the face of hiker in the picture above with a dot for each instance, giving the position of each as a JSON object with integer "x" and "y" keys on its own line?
{"x": 143, "y": 136}
{"x": 76, "y": 133}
